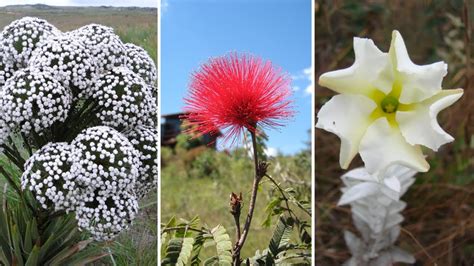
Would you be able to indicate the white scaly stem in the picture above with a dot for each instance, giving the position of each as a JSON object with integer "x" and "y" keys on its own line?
{"x": 376, "y": 207}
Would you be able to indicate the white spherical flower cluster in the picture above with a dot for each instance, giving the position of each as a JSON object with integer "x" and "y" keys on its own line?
{"x": 106, "y": 160}
{"x": 104, "y": 45}
{"x": 21, "y": 37}
{"x": 68, "y": 60}
{"x": 106, "y": 216}
{"x": 107, "y": 169}
{"x": 47, "y": 175}
{"x": 125, "y": 99}
{"x": 141, "y": 63}
{"x": 34, "y": 100}
{"x": 95, "y": 176}
{"x": 145, "y": 140}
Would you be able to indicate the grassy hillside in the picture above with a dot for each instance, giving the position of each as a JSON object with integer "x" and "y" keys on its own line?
{"x": 198, "y": 182}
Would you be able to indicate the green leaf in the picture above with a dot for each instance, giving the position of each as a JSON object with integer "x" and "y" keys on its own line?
{"x": 269, "y": 211}
{"x": 68, "y": 252}
{"x": 172, "y": 251}
{"x": 281, "y": 235}
{"x": 223, "y": 245}
{"x": 16, "y": 245}
{"x": 45, "y": 247}
{"x": 33, "y": 257}
{"x": 27, "y": 244}
{"x": 212, "y": 261}
{"x": 3, "y": 258}
{"x": 185, "y": 252}
{"x": 197, "y": 247}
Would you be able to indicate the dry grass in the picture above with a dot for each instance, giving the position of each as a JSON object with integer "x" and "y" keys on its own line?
{"x": 439, "y": 219}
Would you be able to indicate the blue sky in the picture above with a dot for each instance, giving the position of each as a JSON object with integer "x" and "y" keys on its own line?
{"x": 194, "y": 31}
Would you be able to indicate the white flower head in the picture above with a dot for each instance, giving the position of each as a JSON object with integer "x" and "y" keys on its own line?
{"x": 106, "y": 216}
{"x": 145, "y": 140}
{"x": 47, "y": 175}
{"x": 67, "y": 60}
{"x": 34, "y": 100}
{"x": 387, "y": 107}
{"x": 125, "y": 99}
{"x": 104, "y": 45}
{"x": 141, "y": 63}
{"x": 105, "y": 161}
{"x": 22, "y": 36}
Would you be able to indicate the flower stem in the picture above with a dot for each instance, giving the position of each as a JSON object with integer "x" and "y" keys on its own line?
{"x": 253, "y": 198}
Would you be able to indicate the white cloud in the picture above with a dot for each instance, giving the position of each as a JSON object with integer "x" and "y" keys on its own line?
{"x": 306, "y": 76}
{"x": 271, "y": 152}
{"x": 309, "y": 89}
{"x": 296, "y": 88}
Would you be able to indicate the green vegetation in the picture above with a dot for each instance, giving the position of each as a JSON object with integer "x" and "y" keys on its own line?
{"x": 199, "y": 181}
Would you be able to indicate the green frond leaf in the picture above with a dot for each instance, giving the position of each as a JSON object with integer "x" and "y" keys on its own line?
{"x": 223, "y": 245}
{"x": 281, "y": 235}
{"x": 33, "y": 257}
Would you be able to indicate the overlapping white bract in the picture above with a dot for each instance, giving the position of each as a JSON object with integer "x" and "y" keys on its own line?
{"x": 124, "y": 98}
{"x": 376, "y": 208}
{"x": 46, "y": 76}
{"x": 33, "y": 100}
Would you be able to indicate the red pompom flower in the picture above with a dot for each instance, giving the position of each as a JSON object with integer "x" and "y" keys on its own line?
{"x": 237, "y": 92}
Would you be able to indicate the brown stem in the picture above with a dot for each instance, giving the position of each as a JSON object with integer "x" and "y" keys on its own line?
{"x": 237, "y": 225}
{"x": 253, "y": 198}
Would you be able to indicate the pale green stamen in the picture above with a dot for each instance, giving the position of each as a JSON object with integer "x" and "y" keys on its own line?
{"x": 389, "y": 104}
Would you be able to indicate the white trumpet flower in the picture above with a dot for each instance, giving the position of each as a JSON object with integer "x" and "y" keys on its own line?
{"x": 387, "y": 107}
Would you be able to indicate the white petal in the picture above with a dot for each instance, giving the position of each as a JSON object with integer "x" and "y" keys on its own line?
{"x": 418, "y": 82}
{"x": 347, "y": 116}
{"x": 383, "y": 146}
{"x": 420, "y": 126}
{"x": 358, "y": 78}
{"x": 358, "y": 192}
